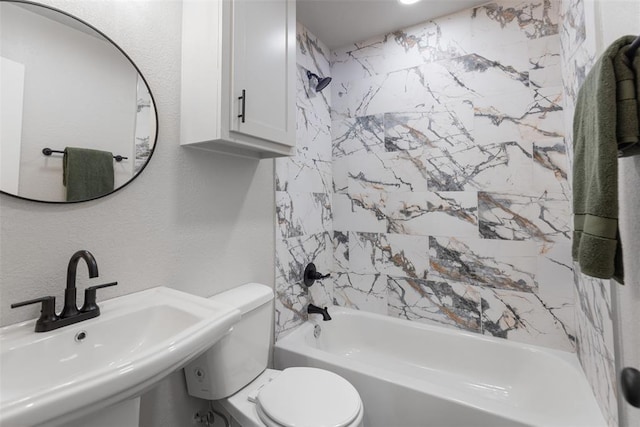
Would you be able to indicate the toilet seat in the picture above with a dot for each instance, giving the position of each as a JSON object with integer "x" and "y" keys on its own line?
{"x": 308, "y": 397}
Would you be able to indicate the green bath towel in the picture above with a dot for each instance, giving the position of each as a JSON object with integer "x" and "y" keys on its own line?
{"x": 605, "y": 123}
{"x": 86, "y": 173}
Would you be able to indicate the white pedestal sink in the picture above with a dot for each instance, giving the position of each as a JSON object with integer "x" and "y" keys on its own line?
{"x": 53, "y": 378}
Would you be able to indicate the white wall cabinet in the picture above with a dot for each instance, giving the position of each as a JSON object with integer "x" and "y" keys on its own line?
{"x": 231, "y": 48}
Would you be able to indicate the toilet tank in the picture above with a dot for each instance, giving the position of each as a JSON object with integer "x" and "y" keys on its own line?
{"x": 241, "y": 355}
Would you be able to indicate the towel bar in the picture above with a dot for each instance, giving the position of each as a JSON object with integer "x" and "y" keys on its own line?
{"x": 49, "y": 151}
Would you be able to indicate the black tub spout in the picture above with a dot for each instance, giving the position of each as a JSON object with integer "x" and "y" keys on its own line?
{"x": 312, "y": 309}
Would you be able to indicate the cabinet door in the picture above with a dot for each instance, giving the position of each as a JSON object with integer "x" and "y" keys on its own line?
{"x": 263, "y": 66}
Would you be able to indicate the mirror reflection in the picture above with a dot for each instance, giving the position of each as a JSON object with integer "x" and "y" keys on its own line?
{"x": 77, "y": 120}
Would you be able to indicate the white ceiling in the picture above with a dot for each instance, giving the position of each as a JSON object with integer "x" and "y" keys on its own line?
{"x": 338, "y": 23}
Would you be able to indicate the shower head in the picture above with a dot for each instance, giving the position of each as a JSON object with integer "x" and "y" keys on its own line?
{"x": 321, "y": 82}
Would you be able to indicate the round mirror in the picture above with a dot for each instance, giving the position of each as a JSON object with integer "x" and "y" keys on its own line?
{"x": 77, "y": 119}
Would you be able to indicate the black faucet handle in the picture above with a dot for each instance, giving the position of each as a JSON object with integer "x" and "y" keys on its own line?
{"x": 90, "y": 297}
{"x": 47, "y": 311}
{"x": 105, "y": 285}
{"x": 311, "y": 275}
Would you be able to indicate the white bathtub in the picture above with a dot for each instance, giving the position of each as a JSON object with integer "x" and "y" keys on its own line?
{"x": 410, "y": 374}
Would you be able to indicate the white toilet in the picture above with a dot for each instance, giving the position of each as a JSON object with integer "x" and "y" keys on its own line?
{"x": 233, "y": 373}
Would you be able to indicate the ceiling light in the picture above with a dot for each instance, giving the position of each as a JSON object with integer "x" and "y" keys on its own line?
{"x": 408, "y": 1}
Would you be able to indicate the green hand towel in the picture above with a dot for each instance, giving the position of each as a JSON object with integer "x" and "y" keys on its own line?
{"x": 86, "y": 173}
{"x": 605, "y": 122}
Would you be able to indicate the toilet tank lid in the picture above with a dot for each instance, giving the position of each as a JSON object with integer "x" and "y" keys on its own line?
{"x": 245, "y": 297}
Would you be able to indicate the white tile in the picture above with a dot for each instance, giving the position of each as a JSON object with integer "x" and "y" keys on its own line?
{"x": 303, "y": 213}
{"x": 514, "y": 20}
{"x": 340, "y": 169}
{"x": 367, "y": 292}
{"x": 311, "y": 53}
{"x": 452, "y": 305}
{"x": 433, "y": 214}
{"x": 499, "y": 118}
{"x": 391, "y": 254}
{"x": 483, "y": 262}
{"x": 397, "y": 91}
{"x": 522, "y": 317}
{"x": 360, "y": 212}
{"x": 357, "y": 135}
{"x": 544, "y": 58}
{"x": 442, "y": 125}
{"x": 389, "y": 172}
{"x": 516, "y": 217}
{"x": 340, "y": 251}
{"x": 545, "y": 117}
{"x": 441, "y": 38}
{"x": 551, "y": 168}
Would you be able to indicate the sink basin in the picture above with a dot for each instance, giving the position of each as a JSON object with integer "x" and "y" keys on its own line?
{"x": 136, "y": 341}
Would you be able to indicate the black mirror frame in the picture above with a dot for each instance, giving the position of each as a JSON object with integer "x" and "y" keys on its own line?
{"x": 155, "y": 109}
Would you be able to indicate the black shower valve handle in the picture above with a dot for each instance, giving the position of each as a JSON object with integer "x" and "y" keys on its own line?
{"x": 311, "y": 275}
{"x": 320, "y": 276}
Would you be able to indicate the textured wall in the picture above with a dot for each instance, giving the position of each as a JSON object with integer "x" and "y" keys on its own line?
{"x": 303, "y": 186}
{"x": 195, "y": 221}
{"x": 450, "y": 187}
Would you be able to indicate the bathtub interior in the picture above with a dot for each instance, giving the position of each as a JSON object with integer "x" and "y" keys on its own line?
{"x": 520, "y": 382}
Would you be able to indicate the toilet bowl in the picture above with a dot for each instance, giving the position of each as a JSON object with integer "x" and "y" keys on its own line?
{"x": 233, "y": 374}
{"x": 286, "y": 398}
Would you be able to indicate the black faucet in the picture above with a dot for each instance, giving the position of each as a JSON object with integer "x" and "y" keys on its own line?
{"x": 312, "y": 309}
{"x": 70, "y": 308}
{"x": 70, "y": 314}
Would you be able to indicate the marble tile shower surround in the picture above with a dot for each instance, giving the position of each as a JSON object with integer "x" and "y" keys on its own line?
{"x": 432, "y": 179}
{"x": 144, "y": 122}
{"x": 303, "y": 193}
{"x": 594, "y": 324}
{"x": 450, "y": 193}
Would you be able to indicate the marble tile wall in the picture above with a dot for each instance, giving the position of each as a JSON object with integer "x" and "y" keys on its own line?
{"x": 303, "y": 193}
{"x": 145, "y": 124}
{"x": 594, "y": 324}
{"x": 450, "y": 186}
{"x": 433, "y": 181}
